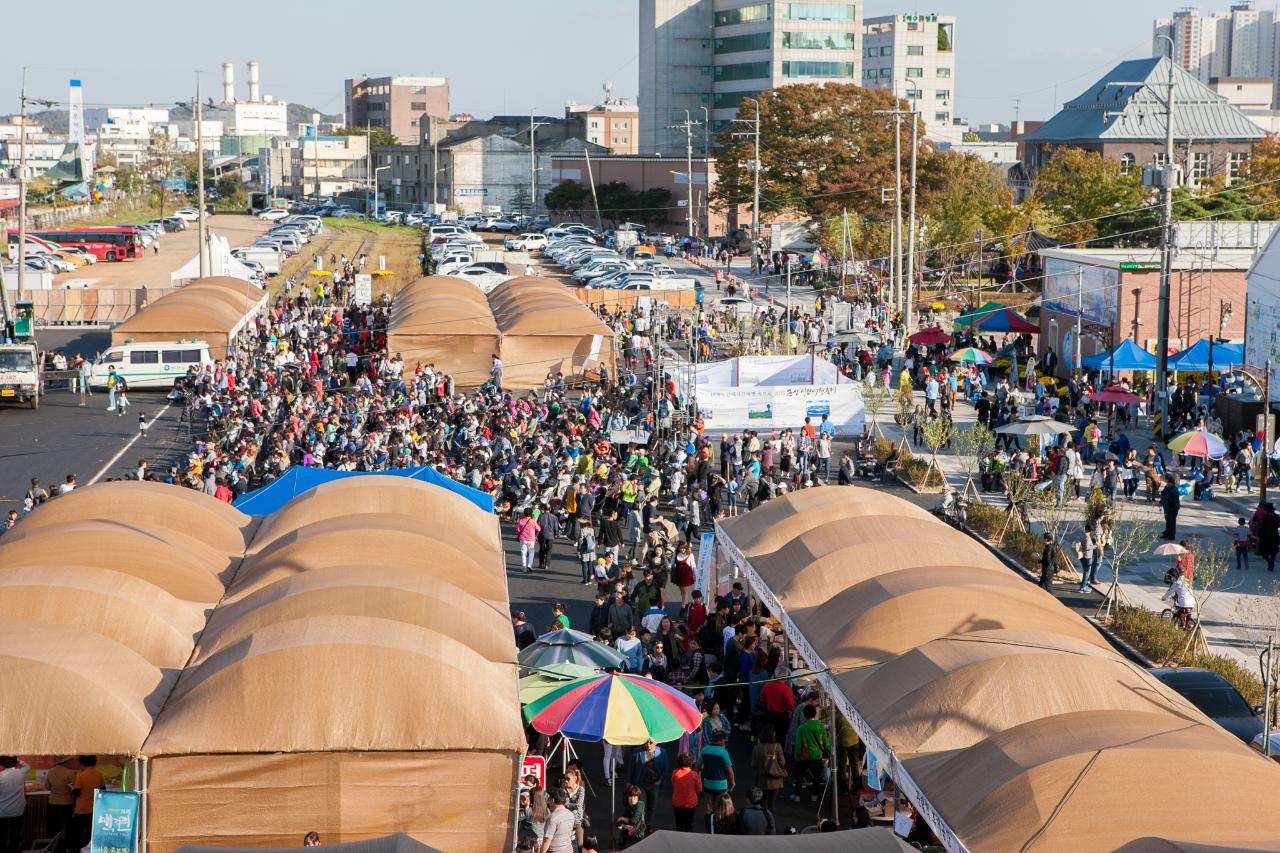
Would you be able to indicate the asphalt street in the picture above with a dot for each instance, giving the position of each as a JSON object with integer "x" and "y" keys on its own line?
{"x": 62, "y": 437}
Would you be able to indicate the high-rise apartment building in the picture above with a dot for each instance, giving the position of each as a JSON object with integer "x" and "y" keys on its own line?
{"x": 710, "y": 54}
{"x": 613, "y": 124}
{"x": 914, "y": 57}
{"x": 1241, "y": 42}
{"x": 397, "y": 103}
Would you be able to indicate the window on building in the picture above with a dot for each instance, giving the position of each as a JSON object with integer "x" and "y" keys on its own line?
{"x": 1158, "y": 159}
{"x": 942, "y": 95}
{"x": 915, "y": 50}
{"x": 1200, "y": 165}
{"x": 751, "y": 41}
{"x": 887, "y": 50}
{"x": 872, "y": 51}
{"x": 946, "y": 36}
{"x": 743, "y": 71}
{"x": 885, "y": 72}
{"x": 724, "y": 100}
{"x": 418, "y": 106}
{"x": 817, "y": 69}
{"x": 913, "y": 26}
{"x": 915, "y": 72}
{"x": 868, "y": 74}
{"x": 595, "y": 124}
{"x": 745, "y": 15}
{"x": 413, "y": 122}
{"x": 942, "y": 117}
{"x": 706, "y": 71}
{"x": 913, "y": 94}
{"x": 1126, "y": 162}
{"x": 819, "y": 12}
{"x": 818, "y": 41}
{"x": 943, "y": 72}
{"x": 1238, "y": 164}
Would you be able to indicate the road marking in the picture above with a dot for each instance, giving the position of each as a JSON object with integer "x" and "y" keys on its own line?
{"x": 114, "y": 459}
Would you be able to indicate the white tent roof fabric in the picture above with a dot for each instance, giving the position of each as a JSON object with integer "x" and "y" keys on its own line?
{"x": 1008, "y": 719}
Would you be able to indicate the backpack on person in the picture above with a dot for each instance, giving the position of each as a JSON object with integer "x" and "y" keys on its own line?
{"x": 587, "y": 544}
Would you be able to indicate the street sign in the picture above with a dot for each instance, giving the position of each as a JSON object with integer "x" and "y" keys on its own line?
{"x": 364, "y": 289}
{"x": 535, "y": 765}
{"x": 1128, "y": 266}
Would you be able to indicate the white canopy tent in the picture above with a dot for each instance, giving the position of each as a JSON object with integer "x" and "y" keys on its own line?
{"x": 220, "y": 263}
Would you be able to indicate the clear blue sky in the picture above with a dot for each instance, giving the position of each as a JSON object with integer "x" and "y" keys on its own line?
{"x": 510, "y": 55}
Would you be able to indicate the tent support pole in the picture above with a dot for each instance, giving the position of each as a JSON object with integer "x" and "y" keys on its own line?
{"x": 835, "y": 764}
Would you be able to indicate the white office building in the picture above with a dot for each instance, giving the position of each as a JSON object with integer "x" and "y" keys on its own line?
{"x": 705, "y": 56}
{"x": 914, "y": 57}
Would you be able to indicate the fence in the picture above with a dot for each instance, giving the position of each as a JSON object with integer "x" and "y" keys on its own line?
{"x": 56, "y": 216}
{"x": 89, "y": 306}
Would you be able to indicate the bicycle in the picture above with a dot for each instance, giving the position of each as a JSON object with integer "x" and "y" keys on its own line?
{"x": 1179, "y": 615}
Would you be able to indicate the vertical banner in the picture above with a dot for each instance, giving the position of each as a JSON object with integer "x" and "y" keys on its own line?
{"x": 115, "y": 822}
{"x": 706, "y": 556}
{"x": 364, "y": 289}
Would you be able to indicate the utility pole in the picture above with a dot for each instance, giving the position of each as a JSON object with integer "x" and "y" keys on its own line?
{"x": 706, "y": 174}
{"x": 1079, "y": 313}
{"x": 1166, "y": 254}
{"x": 900, "y": 291}
{"x": 1263, "y": 458}
{"x": 533, "y": 166}
{"x": 755, "y": 167}
{"x": 595, "y": 201}
{"x": 892, "y": 296}
{"x": 22, "y": 194}
{"x": 688, "y": 126}
{"x": 786, "y": 329}
{"x": 911, "y": 239}
{"x": 202, "y": 225}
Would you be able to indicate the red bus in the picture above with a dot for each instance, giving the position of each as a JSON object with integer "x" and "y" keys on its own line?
{"x": 108, "y": 243}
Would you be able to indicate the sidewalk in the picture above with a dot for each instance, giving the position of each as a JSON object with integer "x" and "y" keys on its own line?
{"x": 1234, "y": 616}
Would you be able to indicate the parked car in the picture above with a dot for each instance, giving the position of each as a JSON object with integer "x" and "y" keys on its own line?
{"x": 174, "y": 223}
{"x": 1216, "y": 698}
{"x": 526, "y": 242}
{"x": 190, "y": 214}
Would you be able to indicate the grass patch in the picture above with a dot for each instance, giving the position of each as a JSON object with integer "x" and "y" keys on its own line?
{"x": 1160, "y": 640}
{"x": 399, "y": 245}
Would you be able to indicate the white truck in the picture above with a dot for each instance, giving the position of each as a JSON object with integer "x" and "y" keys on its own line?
{"x": 265, "y": 255}
{"x": 20, "y": 374}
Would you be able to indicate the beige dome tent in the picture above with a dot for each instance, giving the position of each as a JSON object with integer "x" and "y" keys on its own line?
{"x": 319, "y": 670}
{"x": 213, "y": 310}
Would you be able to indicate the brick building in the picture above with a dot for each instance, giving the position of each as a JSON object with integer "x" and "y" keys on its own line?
{"x": 1122, "y": 117}
{"x": 396, "y": 104}
{"x": 1115, "y": 292}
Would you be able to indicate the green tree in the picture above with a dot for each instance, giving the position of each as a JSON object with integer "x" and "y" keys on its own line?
{"x": 377, "y": 135}
{"x": 1262, "y": 177}
{"x": 1086, "y": 191}
{"x": 566, "y": 197}
{"x": 822, "y": 148}
{"x": 520, "y": 200}
{"x": 961, "y": 194}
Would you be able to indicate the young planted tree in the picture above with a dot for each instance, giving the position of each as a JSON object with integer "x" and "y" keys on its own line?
{"x": 1132, "y": 536}
{"x": 873, "y": 400}
{"x": 971, "y": 445}
{"x": 937, "y": 432}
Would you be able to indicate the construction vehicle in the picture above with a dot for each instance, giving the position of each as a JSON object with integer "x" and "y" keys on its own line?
{"x": 20, "y": 361}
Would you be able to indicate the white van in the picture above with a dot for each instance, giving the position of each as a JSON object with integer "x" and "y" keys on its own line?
{"x": 150, "y": 365}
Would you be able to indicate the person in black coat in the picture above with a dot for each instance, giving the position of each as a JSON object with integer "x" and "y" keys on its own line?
{"x": 621, "y": 615}
{"x": 1170, "y": 502}
{"x": 1047, "y": 556}
{"x": 524, "y": 633}
{"x": 1269, "y": 535}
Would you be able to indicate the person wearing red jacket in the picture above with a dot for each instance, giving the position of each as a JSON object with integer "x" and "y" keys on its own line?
{"x": 778, "y": 700}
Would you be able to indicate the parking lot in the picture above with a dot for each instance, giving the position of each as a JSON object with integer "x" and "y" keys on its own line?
{"x": 176, "y": 248}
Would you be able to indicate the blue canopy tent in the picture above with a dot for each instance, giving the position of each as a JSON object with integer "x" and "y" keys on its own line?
{"x": 1127, "y": 356}
{"x": 299, "y": 479}
{"x": 1199, "y": 354}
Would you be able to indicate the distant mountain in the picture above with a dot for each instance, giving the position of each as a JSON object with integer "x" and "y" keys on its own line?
{"x": 56, "y": 121}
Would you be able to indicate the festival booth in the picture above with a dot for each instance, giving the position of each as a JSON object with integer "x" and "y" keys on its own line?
{"x": 316, "y": 669}
{"x": 298, "y": 479}
{"x": 1126, "y": 356}
{"x": 546, "y": 329}
{"x": 768, "y": 393}
{"x": 1208, "y": 355}
{"x": 213, "y": 310}
{"x": 1007, "y": 720}
{"x": 218, "y": 262}
{"x": 534, "y": 325}
{"x": 444, "y": 321}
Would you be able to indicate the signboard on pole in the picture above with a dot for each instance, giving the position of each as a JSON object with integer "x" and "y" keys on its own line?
{"x": 115, "y": 822}
{"x": 706, "y": 556}
{"x": 535, "y": 765}
{"x": 364, "y": 289}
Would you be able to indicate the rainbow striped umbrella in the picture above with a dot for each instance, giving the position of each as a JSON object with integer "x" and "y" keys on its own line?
{"x": 972, "y": 355}
{"x": 1198, "y": 442}
{"x": 616, "y": 708}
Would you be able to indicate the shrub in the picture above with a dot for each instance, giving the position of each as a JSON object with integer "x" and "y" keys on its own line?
{"x": 1160, "y": 640}
{"x": 985, "y": 518}
{"x": 882, "y": 449}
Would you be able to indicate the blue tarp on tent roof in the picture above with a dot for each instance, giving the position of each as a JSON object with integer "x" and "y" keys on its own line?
{"x": 299, "y": 479}
{"x": 1196, "y": 357}
{"x": 1127, "y": 356}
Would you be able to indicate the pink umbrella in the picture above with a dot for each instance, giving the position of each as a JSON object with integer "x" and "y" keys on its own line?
{"x": 1115, "y": 394}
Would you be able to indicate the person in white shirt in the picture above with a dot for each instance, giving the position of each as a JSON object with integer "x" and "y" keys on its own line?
{"x": 13, "y": 801}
